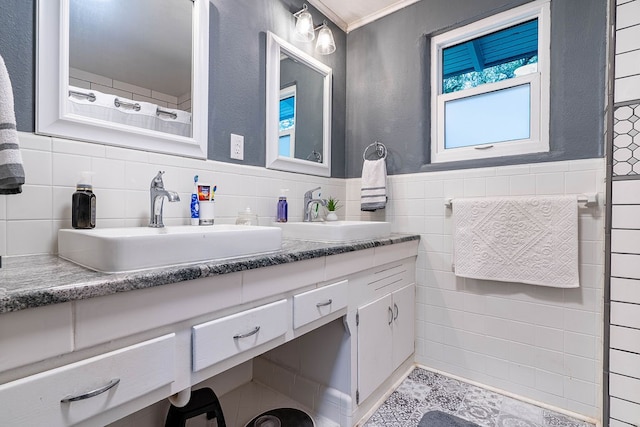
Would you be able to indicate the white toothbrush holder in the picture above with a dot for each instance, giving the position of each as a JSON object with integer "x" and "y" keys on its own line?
{"x": 207, "y": 212}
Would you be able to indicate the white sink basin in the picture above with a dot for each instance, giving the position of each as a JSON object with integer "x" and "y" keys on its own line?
{"x": 335, "y": 231}
{"x": 114, "y": 250}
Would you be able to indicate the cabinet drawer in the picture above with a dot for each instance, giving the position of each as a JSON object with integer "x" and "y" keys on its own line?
{"x": 37, "y": 400}
{"x": 223, "y": 338}
{"x": 315, "y": 304}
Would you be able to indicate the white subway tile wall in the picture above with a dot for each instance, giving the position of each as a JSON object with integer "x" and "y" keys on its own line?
{"x": 538, "y": 342}
{"x": 624, "y": 327}
{"x": 29, "y": 222}
{"x": 624, "y": 381}
{"x": 627, "y": 85}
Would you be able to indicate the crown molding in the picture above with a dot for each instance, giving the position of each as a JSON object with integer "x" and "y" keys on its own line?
{"x": 329, "y": 13}
{"x": 379, "y": 14}
{"x": 350, "y": 26}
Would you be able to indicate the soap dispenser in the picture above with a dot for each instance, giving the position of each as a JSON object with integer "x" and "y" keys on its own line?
{"x": 83, "y": 204}
{"x": 283, "y": 207}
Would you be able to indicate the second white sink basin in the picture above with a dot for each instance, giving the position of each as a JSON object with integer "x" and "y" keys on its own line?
{"x": 114, "y": 250}
{"x": 336, "y": 231}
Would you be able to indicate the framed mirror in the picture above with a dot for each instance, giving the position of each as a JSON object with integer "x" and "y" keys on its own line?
{"x": 130, "y": 74}
{"x": 298, "y": 122}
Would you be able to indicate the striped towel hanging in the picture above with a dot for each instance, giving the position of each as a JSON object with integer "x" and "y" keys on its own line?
{"x": 11, "y": 169}
{"x": 373, "y": 195}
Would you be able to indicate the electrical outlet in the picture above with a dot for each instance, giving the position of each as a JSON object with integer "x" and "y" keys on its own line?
{"x": 237, "y": 147}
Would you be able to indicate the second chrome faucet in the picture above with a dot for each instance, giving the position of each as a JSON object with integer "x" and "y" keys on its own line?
{"x": 309, "y": 201}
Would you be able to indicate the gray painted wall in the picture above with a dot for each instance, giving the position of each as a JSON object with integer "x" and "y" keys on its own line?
{"x": 17, "y": 48}
{"x": 387, "y": 67}
{"x": 237, "y": 79}
{"x": 388, "y": 82}
{"x": 237, "y": 72}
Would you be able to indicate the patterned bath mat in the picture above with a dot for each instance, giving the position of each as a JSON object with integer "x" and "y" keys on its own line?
{"x": 442, "y": 419}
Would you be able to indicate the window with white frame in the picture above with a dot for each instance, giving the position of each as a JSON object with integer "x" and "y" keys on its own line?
{"x": 490, "y": 86}
{"x": 287, "y": 125}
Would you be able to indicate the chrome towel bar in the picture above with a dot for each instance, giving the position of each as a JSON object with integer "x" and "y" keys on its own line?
{"x": 589, "y": 199}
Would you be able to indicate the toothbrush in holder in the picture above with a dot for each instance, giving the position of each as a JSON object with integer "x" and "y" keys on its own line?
{"x": 195, "y": 203}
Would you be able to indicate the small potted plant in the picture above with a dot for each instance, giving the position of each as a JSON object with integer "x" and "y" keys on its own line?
{"x": 332, "y": 207}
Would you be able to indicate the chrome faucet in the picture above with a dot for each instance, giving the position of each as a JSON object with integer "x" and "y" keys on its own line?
{"x": 308, "y": 203}
{"x": 158, "y": 193}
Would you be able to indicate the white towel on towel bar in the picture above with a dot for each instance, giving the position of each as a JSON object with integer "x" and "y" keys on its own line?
{"x": 530, "y": 240}
{"x": 373, "y": 193}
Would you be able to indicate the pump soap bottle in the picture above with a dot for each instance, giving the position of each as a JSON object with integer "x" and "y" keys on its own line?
{"x": 283, "y": 207}
{"x": 83, "y": 204}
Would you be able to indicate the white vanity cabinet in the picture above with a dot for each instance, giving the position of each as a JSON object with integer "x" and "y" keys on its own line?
{"x": 122, "y": 352}
{"x": 76, "y": 392}
{"x": 385, "y": 323}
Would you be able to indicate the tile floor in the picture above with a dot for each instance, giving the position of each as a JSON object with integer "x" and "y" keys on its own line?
{"x": 424, "y": 390}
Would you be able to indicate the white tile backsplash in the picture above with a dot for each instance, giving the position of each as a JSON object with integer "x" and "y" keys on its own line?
{"x": 37, "y": 167}
{"x": 67, "y": 168}
{"x": 79, "y": 148}
{"x": 34, "y": 203}
{"x": 28, "y": 237}
{"x": 121, "y": 179}
{"x": 522, "y": 185}
{"x": 3, "y": 238}
{"x": 550, "y": 183}
{"x": 108, "y": 173}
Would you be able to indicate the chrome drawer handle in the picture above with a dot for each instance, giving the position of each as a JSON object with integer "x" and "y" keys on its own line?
{"x": 248, "y": 334}
{"x": 322, "y": 304}
{"x": 483, "y": 147}
{"x": 390, "y": 316}
{"x": 114, "y": 382}
{"x": 395, "y": 316}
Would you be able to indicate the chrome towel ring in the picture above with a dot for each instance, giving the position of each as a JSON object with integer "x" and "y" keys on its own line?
{"x": 379, "y": 148}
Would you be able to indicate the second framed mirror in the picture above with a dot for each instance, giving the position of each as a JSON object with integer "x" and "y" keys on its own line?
{"x": 298, "y": 122}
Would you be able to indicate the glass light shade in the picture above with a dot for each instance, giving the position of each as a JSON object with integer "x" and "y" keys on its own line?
{"x": 304, "y": 26}
{"x": 325, "y": 44}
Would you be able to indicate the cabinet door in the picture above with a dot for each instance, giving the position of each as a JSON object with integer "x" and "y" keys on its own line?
{"x": 375, "y": 351}
{"x": 403, "y": 324}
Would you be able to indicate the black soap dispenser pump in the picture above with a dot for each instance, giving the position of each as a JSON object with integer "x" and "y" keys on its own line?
{"x": 83, "y": 204}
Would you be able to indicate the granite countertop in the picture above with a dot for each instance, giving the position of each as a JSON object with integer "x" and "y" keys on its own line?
{"x": 39, "y": 280}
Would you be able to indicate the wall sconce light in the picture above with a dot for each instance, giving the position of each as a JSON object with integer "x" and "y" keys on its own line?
{"x": 304, "y": 24}
{"x": 305, "y": 31}
{"x": 325, "y": 44}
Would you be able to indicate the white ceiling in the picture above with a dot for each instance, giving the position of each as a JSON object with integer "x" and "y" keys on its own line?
{"x": 351, "y": 14}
